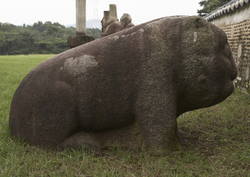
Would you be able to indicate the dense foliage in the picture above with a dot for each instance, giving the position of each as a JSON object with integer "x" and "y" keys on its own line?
{"x": 40, "y": 38}
{"x": 210, "y": 5}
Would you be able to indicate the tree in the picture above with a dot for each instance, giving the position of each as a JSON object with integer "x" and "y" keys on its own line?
{"x": 2, "y": 38}
{"x": 70, "y": 31}
{"x": 210, "y": 5}
{"x": 40, "y": 38}
{"x": 6, "y": 27}
{"x": 95, "y": 32}
{"x": 2, "y": 41}
{"x": 39, "y": 26}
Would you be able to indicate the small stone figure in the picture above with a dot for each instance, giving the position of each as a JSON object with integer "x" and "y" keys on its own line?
{"x": 126, "y": 21}
{"x": 111, "y": 24}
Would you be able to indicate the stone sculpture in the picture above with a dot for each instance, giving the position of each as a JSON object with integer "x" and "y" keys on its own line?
{"x": 126, "y": 21}
{"x": 128, "y": 87}
{"x": 111, "y": 24}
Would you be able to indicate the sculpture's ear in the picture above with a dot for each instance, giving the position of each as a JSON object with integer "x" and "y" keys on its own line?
{"x": 200, "y": 22}
{"x": 195, "y": 22}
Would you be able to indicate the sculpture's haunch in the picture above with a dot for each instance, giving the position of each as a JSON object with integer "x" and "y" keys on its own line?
{"x": 131, "y": 84}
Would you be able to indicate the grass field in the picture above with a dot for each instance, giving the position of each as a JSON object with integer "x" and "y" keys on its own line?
{"x": 217, "y": 141}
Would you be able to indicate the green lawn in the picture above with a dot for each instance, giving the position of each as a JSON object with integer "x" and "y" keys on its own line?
{"x": 217, "y": 141}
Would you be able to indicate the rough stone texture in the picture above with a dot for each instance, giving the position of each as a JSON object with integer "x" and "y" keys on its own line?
{"x": 127, "y": 88}
{"x": 74, "y": 41}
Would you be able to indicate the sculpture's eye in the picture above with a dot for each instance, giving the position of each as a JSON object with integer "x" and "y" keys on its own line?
{"x": 222, "y": 45}
{"x": 226, "y": 51}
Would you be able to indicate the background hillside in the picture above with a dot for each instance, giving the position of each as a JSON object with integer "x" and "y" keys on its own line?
{"x": 39, "y": 38}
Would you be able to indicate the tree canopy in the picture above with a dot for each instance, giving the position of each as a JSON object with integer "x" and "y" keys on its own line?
{"x": 210, "y": 5}
{"x": 40, "y": 38}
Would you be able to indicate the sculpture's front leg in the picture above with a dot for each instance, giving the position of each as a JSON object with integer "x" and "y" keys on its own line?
{"x": 156, "y": 115}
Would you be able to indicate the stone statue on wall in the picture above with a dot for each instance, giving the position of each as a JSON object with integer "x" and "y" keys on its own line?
{"x": 111, "y": 24}
{"x": 127, "y": 89}
{"x": 126, "y": 21}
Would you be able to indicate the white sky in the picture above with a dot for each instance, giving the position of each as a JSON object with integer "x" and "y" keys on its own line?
{"x": 19, "y": 12}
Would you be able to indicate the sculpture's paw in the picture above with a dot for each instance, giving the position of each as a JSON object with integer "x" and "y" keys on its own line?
{"x": 83, "y": 140}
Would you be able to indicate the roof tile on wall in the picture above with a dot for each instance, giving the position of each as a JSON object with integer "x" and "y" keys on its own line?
{"x": 231, "y": 6}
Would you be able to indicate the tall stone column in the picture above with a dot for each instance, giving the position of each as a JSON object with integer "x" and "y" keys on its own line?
{"x": 112, "y": 11}
{"x": 80, "y": 37}
{"x": 80, "y": 17}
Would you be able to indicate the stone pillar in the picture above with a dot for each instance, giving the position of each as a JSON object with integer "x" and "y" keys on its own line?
{"x": 80, "y": 17}
{"x": 112, "y": 10}
{"x": 81, "y": 37}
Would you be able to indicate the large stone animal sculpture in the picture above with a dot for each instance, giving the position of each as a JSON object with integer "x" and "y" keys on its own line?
{"x": 125, "y": 87}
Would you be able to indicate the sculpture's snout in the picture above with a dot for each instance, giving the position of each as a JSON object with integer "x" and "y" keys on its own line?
{"x": 234, "y": 71}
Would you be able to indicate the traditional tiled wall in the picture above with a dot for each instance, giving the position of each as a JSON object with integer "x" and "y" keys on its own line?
{"x": 239, "y": 39}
